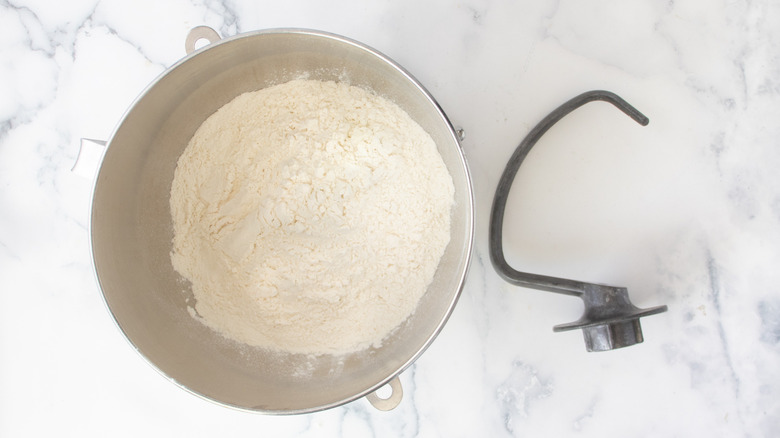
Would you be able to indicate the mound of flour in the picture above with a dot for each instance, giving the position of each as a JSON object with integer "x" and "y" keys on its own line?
{"x": 309, "y": 217}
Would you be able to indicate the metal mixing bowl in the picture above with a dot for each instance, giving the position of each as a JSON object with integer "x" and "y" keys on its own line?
{"x": 132, "y": 231}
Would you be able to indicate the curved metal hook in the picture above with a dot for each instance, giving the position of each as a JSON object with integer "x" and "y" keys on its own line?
{"x": 610, "y": 320}
{"x": 509, "y": 274}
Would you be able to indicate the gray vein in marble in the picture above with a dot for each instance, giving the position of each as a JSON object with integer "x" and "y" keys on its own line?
{"x": 25, "y": 14}
{"x": 78, "y": 223}
{"x": 477, "y": 14}
{"x": 548, "y": 18}
{"x": 483, "y": 324}
{"x": 92, "y": 23}
{"x": 483, "y": 289}
{"x": 7, "y": 252}
{"x": 308, "y": 420}
{"x": 716, "y": 290}
{"x": 359, "y": 410}
{"x": 518, "y": 392}
{"x": 222, "y": 8}
{"x": 6, "y": 126}
{"x": 717, "y": 146}
{"x": 739, "y": 62}
{"x": 24, "y": 114}
{"x": 411, "y": 399}
{"x": 769, "y": 313}
{"x": 81, "y": 27}
{"x": 547, "y": 33}
{"x": 66, "y": 38}
{"x": 580, "y": 421}
{"x": 62, "y": 37}
{"x": 705, "y": 90}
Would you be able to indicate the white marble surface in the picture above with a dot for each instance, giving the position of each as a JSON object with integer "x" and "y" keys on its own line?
{"x": 684, "y": 212}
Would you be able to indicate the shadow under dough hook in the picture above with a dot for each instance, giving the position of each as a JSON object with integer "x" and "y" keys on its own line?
{"x": 610, "y": 320}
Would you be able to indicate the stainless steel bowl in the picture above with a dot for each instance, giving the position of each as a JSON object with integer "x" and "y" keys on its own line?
{"x": 131, "y": 226}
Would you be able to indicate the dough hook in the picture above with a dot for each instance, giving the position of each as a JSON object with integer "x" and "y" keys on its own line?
{"x": 610, "y": 320}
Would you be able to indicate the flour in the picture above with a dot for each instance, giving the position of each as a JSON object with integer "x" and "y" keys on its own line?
{"x": 309, "y": 217}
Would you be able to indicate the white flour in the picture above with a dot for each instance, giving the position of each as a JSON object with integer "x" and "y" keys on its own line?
{"x": 309, "y": 217}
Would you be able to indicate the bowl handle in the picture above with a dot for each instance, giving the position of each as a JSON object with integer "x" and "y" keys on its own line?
{"x": 89, "y": 157}
{"x": 200, "y": 33}
{"x": 389, "y": 403}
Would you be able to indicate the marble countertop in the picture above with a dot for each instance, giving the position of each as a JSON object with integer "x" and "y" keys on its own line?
{"x": 684, "y": 212}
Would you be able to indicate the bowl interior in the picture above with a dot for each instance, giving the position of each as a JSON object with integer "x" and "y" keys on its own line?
{"x": 132, "y": 229}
